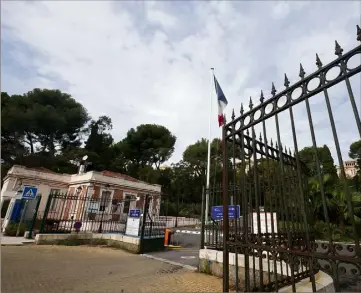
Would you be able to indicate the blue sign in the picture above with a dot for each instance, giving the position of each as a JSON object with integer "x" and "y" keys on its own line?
{"x": 29, "y": 192}
{"x": 234, "y": 212}
{"x": 134, "y": 213}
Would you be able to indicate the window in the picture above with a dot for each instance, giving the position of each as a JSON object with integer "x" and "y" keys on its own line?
{"x": 53, "y": 204}
{"x": 104, "y": 201}
{"x": 127, "y": 204}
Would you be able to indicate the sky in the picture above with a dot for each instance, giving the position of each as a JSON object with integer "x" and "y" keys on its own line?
{"x": 149, "y": 62}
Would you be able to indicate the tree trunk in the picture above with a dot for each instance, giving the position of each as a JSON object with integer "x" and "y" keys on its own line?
{"x": 30, "y": 142}
{"x": 342, "y": 224}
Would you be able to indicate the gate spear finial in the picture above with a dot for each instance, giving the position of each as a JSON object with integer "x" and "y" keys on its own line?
{"x": 273, "y": 91}
{"x": 261, "y": 99}
{"x": 358, "y": 32}
{"x": 302, "y": 72}
{"x": 233, "y": 116}
{"x": 250, "y": 103}
{"x": 318, "y": 62}
{"x": 287, "y": 82}
{"x": 338, "y": 49}
{"x": 241, "y": 110}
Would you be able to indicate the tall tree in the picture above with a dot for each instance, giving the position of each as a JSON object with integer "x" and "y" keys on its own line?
{"x": 48, "y": 118}
{"x": 148, "y": 144}
{"x": 355, "y": 153}
{"x": 307, "y": 156}
{"x": 99, "y": 146}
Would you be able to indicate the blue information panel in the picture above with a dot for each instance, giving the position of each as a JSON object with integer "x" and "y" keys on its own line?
{"x": 29, "y": 192}
{"x": 233, "y": 212}
{"x": 134, "y": 213}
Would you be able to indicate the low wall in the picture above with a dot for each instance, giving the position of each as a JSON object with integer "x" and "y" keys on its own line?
{"x": 94, "y": 226}
{"x": 181, "y": 221}
{"x": 129, "y": 243}
{"x": 211, "y": 262}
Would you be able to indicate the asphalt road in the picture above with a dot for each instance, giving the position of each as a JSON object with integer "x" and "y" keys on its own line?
{"x": 185, "y": 248}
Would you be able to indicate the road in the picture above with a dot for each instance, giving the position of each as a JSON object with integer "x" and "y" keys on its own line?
{"x": 186, "y": 243}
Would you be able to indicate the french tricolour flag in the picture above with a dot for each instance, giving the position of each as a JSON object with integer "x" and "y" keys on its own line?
{"x": 222, "y": 102}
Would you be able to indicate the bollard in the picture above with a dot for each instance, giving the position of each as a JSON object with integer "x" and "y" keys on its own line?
{"x": 167, "y": 236}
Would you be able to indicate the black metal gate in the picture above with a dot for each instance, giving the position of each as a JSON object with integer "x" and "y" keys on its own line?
{"x": 277, "y": 237}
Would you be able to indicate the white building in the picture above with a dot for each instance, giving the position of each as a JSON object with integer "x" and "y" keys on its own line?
{"x": 350, "y": 168}
{"x": 115, "y": 187}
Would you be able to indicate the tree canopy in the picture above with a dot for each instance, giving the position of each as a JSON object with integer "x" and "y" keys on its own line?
{"x": 49, "y": 128}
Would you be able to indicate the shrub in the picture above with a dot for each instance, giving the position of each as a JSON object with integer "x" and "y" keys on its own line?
{"x": 11, "y": 229}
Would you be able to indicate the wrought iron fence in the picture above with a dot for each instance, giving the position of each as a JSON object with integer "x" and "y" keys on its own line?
{"x": 271, "y": 185}
{"x": 65, "y": 213}
{"x": 152, "y": 226}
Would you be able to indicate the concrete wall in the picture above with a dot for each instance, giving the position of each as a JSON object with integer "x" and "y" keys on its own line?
{"x": 131, "y": 244}
{"x": 211, "y": 262}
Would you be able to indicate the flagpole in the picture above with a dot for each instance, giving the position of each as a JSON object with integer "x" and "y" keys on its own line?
{"x": 209, "y": 148}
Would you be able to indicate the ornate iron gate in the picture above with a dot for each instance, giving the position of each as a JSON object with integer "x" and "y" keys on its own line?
{"x": 270, "y": 184}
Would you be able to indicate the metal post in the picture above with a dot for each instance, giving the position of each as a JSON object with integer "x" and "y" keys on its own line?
{"x": 144, "y": 220}
{"x": 22, "y": 217}
{"x": 176, "y": 218}
{"x": 225, "y": 215}
{"x": 47, "y": 208}
{"x": 203, "y": 218}
{"x": 34, "y": 217}
{"x": 166, "y": 213}
{"x": 100, "y": 230}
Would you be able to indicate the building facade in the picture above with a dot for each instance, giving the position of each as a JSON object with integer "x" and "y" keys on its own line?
{"x": 350, "y": 168}
{"x": 106, "y": 191}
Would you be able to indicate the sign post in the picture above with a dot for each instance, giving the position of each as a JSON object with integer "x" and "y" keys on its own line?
{"x": 234, "y": 212}
{"x": 29, "y": 193}
{"x": 133, "y": 223}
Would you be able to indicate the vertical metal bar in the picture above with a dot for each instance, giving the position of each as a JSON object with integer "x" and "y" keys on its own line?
{"x": 343, "y": 175}
{"x": 45, "y": 217}
{"x": 144, "y": 221}
{"x": 234, "y": 195}
{"x": 264, "y": 187}
{"x": 34, "y": 217}
{"x": 279, "y": 209}
{"x": 300, "y": 185}
{"x": 225, "y": 214}
{"x": 256, "y": 194}
{"x": 351, "y": 96}
{"x": 289, "y": 241}
{"x": 269, "y": 178}
{"x": 245, "y": 240}
{"x": 202, "y": 218}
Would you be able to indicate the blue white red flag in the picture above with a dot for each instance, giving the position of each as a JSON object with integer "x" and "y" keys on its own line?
{"x": 222, "y": 102}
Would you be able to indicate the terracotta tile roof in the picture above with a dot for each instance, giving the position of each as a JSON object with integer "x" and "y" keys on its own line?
{"x": 119, "y": 175}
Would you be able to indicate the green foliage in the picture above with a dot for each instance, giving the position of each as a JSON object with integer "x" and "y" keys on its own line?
{"x": 308, "y": 157}
{"x": 12, "y": 228}
{"x": 148, "y": 144}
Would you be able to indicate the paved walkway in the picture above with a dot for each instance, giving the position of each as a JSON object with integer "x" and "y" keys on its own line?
{"x": 32, "y": 268}
{"x": 7, "y": 240}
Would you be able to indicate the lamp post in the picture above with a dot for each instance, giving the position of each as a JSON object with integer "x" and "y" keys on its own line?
{"x": 103, "y": 199}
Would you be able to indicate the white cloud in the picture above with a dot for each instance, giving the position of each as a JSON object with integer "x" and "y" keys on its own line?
{"x": 160, "y": 17}
{"x": 150, "y": 63}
